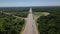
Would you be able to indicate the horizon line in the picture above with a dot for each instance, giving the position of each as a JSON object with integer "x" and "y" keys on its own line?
{"x": 27, "y": 6}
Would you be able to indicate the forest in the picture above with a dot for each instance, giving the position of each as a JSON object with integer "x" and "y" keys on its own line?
{"x": 10, "y": 24}
{"x": 49, "y": 24}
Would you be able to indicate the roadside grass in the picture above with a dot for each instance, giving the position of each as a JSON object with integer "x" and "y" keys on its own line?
{"x": 38, "y": 14}
{"x": 23, "y": 26}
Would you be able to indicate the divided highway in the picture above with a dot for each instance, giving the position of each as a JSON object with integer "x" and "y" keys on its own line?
{"x": 30, "y": 27}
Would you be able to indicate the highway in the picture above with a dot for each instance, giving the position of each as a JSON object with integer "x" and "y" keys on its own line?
{"x": 30, "y": 27}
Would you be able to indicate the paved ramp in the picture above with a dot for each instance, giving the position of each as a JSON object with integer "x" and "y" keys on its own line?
{"x": 30, "y": 27}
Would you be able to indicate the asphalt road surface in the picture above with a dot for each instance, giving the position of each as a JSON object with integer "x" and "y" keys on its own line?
{"x": 30, "y": 27}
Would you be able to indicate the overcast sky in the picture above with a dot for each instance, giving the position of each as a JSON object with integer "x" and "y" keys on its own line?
{"x": 11, "y": 3}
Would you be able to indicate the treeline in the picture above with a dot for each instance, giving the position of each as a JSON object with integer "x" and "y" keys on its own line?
{"x": 49, "y": 24}
{"x": 53, "y": 10}
{"x": 10, "y": 24}
{"x": 14, "y": 9}
{"x": 17, "y": 11}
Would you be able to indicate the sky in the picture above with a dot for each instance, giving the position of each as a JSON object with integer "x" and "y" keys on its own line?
{"x": 13, "y": 3}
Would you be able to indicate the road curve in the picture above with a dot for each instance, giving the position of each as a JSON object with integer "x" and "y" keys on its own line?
{"x": 30, "y": 27}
